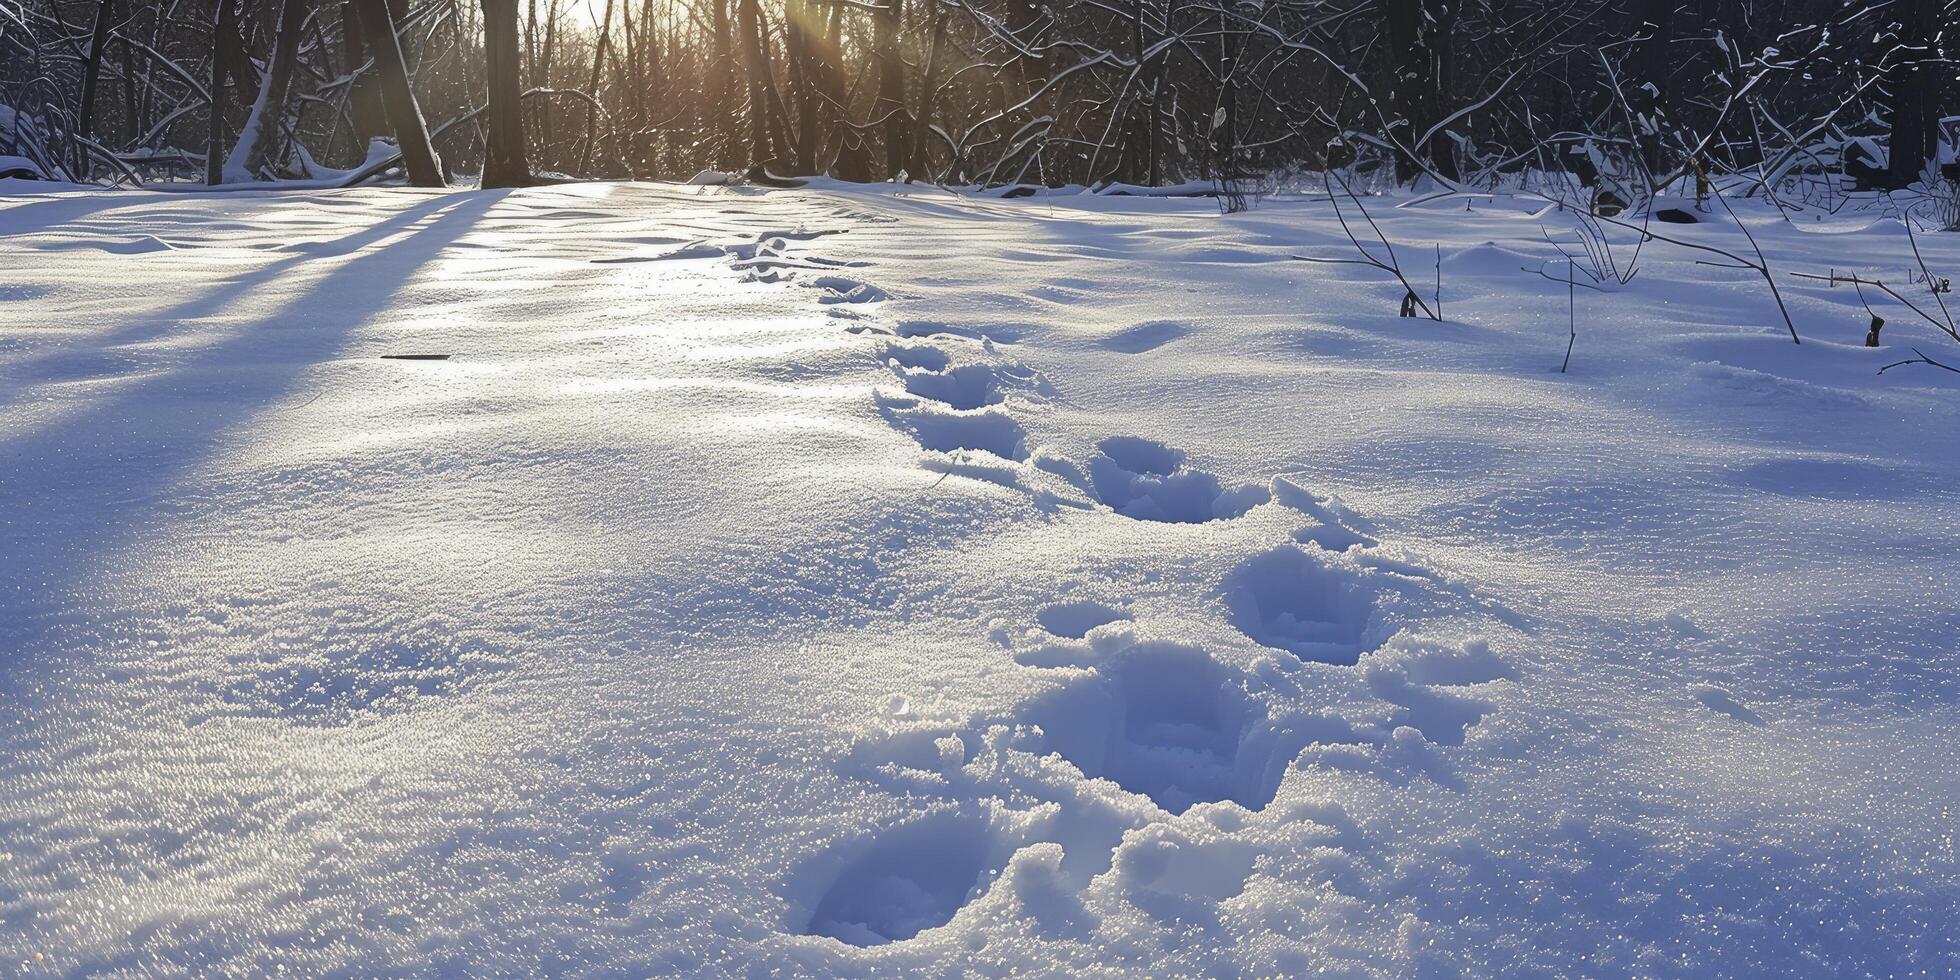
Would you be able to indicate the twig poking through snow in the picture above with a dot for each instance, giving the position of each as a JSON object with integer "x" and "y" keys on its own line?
{"x": 1921, "y": 359}
{"x": 1393, "y": 266}
{"x": 1761, "y": 266}
{"x": 1571, "y": 315}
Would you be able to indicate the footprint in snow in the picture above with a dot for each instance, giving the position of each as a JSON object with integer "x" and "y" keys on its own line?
{"x": 1291, "y": 599}
{"x": 140, "y": 245}
{"x": 838, "y": 289}
{"x": 1424, "y": 681}
{"x": 934, "y": 330}
{"x": 1163, "y": 720}
{"x": 679, "y": 254}
{"x": 919, "y": 358}
{"x": 1336, "y": 528}
{"x": 904, "y": 881}
{"x": 1074, "y": 620}
{"x": 964, "y": 388}
{"x": 944, "y": 431}
{"x": 930, "y": 374}
{"x": 1149, "y": 481}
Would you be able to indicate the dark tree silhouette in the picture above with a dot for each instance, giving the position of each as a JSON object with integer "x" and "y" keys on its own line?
{"x": 504, "y": 161}
{"x": 398, "y": 96}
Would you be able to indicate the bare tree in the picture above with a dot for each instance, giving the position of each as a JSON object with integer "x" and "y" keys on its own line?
{"x": 1915, "y": 90}
{"x": 504, "y": 161}
{"x": 264, "y": 128}
{"x": 398, "y": 96}
{"x": 92, "y": 70}
{"x": 1630, "y": 96}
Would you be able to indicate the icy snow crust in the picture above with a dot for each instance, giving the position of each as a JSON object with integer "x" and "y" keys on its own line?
{"x": 852, "y": 581}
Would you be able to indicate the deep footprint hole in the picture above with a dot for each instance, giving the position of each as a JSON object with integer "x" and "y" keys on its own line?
{"x": 1148, "y": 481}
{"x": 910, "y": 879}
{"x": 987, "y": 431}
{"x": 1290, "y": 600}
{"x": 918, "y": 358}
{"x": 963, "y": 388}
{"x": 1074, "y": 620}
{"x": 1139, "y": 455}
{"x": 1165, "y": 721}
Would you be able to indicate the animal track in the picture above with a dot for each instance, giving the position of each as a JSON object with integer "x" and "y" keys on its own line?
{"x": 1718, "y": 699}
{"x": 1163, "y": 720}
{"x": 768, "y": 250}
{"x": 688, "y": 252}
{"x": 1290, "y": 600}
{"x": 910, "y": 879}
{"x": 139, "y": 245}
{"x": 1149, "y": 481}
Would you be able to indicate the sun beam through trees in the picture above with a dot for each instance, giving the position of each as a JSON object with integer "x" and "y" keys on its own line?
{"x": 1629, "y": 94}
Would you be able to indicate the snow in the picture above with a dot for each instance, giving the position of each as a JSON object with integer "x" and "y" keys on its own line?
{"x": 18, "y": 168}
{"x": 881, "y": 580}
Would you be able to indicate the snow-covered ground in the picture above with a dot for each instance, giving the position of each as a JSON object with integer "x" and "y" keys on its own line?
{"x": 848, "y": 581}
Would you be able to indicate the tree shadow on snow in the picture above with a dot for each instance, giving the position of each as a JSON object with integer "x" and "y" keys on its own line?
{"x": 88, "y": 482}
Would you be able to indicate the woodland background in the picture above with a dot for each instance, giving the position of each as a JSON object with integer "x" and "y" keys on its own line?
{"x": 1633, "y": 97}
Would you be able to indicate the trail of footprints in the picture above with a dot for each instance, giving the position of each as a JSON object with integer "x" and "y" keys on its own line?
{"x": 1166, "y": 721}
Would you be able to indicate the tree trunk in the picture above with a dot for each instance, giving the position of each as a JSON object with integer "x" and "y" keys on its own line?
{"x": 1915, "y": 93}
{"x": 1137, "y": 141}
{"x": 1649, "y": 97}
{"x": 721, "y": 87}
{"x": 891, "y": 88}
{"x": 1020, "y": 75}
{"x": 592, "y": 86}
{"x": 262, "y": 128}
{"x": 650, "y": 27}
{"x": 229, "y": 44}
{"x": 398, "y": 96}
{"x": 132, "y": 115}
{"x": 91, "y": 70}
{"x": 853, "y": 160}
{"x": 797, "y": 15}
{"x": 755, "y": 60}
{"x": 1156, "y": 87}
{"x": 928, "y": 87}
{"x": 1418, "y": 34}
{"x": 363, "y": 97}
{"x": 547, "y": 136}
{"x": 504, "y": 162}
{"x": 1225, "y": 121}
{"x": 214, "y": 140}
{"x": 631, "y": 71}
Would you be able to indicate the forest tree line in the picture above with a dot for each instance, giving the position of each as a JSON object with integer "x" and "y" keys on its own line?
{"x": 1631, "y": 95}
